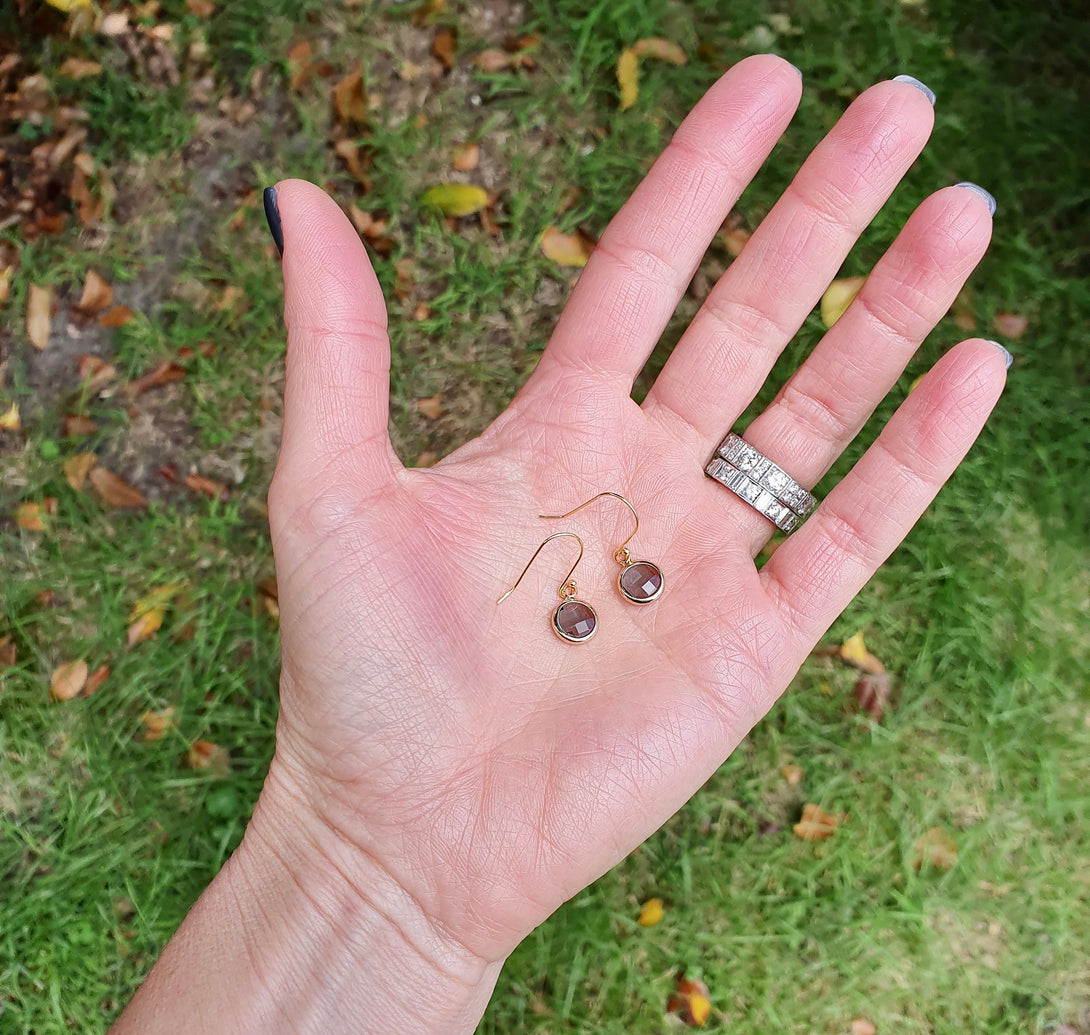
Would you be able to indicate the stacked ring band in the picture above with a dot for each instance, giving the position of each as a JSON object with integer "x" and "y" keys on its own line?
{"x": 765, "y": 486}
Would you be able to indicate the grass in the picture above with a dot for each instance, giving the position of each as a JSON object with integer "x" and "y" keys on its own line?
{"x": 107, "y": 839}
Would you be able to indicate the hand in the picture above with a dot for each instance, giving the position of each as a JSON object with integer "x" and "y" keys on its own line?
{"x": 456, "y": 764}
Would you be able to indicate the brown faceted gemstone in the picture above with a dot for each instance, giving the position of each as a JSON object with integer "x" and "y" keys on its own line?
{"x": 575, "y": 621}
{"x": 641, "y": 582}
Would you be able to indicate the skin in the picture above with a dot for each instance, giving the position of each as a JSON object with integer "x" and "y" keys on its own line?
{"x": 447, "y": 771}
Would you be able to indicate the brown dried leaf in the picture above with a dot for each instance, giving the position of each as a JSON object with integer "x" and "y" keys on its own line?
{"x": 205, "y": 486}
{"x": 156, "y": 723}
{"x": 39, "y": 315}
{"x": 936, "y": 848}
{"x": 431, "y": 408}
{"x": 300, "y": 64}
{"x": 96, "y": 679}
{"x": 114, "y": 491}
{"x": 118, "y": 316}
{"x": 28, "y": 517}
{"x": 494, "y": 60}
{"x": 203, "y": 754}
{"x": 1010, "y": 325}
{"x": 815, "y": 824}
{"x": 354, "y": 159}
{"x": 426, "y": 459}
{"x": 657, "y": 47}
{"x": 201, "y": 8}
{"x": 78, "y": 468}
{"x": 8, "y": 653}
{"x": 68, "y": 680}
{"x": 97, "y": 295}
{"x": 79, "y": 68}
{"x": 232, "y": 295}
{"x": 404, "y": 278}
{"x": 444, "y": 48}
{"x": 628, "y": 72}
{"x": 145, "y": 627}
{"x": 466, "y": 158}
{"x": 95, "y": 373}
{"x": 792, "y": 773}
{"x": 5, "y": 282}
{"x": 566, "y": 249}
{"x": 350, "y": 99}
{"x": 77, "y": 425}
{"x": 422, "y": 311}
{"x": 689, "y": 1001}
{"x": 164, "y": 374}
{"x": 9, "y": 419}
{"x": 861, "y": 1026}
{"x": 872, "y": 694}
{"x": 854, "y": 651}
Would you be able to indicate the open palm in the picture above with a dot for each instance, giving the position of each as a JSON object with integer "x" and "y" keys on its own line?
{"x": 481, "y": 765}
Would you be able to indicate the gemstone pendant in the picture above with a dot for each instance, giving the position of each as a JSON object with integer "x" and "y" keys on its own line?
{"x": 641, "y": 582}
{"x": 575, "y": 621}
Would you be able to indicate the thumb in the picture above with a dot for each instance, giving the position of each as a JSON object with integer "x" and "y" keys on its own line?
{"x": 337, "y": 371}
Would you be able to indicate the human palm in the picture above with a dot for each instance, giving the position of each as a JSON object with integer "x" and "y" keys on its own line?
{"x": 479, "y": 763}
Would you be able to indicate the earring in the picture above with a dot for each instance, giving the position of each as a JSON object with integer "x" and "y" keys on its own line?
{"x": 639, "y": 581}
{"x": 574, "y": 620}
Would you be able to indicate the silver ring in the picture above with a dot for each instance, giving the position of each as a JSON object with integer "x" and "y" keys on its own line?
{"x": 765, "y": 486}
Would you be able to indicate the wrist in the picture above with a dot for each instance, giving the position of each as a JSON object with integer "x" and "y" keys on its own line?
{"x": 336, "y": 942}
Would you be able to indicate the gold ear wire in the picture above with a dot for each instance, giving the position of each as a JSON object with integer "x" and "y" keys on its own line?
{"x": 639, "y": 582}
{"x": 567, "y": 587}
{"x": 620, "y": 555}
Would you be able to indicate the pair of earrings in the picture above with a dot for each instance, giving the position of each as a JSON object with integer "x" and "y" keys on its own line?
{"x": 640, "y": 582}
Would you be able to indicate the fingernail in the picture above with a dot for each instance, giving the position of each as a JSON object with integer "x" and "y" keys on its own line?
{"x": 1008, "y": 359}
{"x": 272, "y": 215}
{"x": 925, "y": 90}
{"x": 988, "y": 199}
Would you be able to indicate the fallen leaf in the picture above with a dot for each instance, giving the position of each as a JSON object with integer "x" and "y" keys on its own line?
{"x": 205, "y": 486}
{"x": 426, "y": 459}
{"x": 70, "y": 6}
{"x": 861, "y": 1026}
{"x": 97, "y": 295}
{"x": 156, "y": 600}
{"x": 117, "y": 316}
{"x": 431, "y": 408}
{"x": 8, "y": 653}
{"x": 936, "y": 848}
{"x": 78, "y": 468}
{"x": 651, "y": 912}
{"x": 404, "y": 278}
{"x": 68, "y": 680}
{"x": 838, "y": 296}
{"x": 494, "y": 60}
{"x": 39, "y": 316}
{"x": 734, "y": 234}
{"x": 164, "y": 374}
{"x": 815, "y": 824}
{"x": 300, "y": 64}
{"x": 872, "y": 694}
{"x": 444, "y": 47}
{"x": 792, "y": 774}
{"x": 466, "y": 158}
{"x": 232, "y": 295}
{"x": 28, "y": 517}
{"x": 145, "y": 627}
{"x": 854, "y": 651}
{"x": 354, "y": 160}
{"x": 1010, "y": 325}
{"x": 566, "y": 249}
{"x": 628, "y": 71}
{"x": 455, "y": 199}
{"x": 657, "y": 47}
{"x": 114, "y": 491}
{"x": 201, "y": 8}
{"x": 689, "y": 1001}
{"x": 95, "y": 373}
{"x": 203, "y": 754}
{"x": 95, "y": 680}
{"x": 79, "y": 68}
{"x": 77, "y": 425}
{"x": 156, "y": 723}
{"x": 422, "y": 311}
{"x": 270, "y": 596}
{"x": 5, "y": 282}
{"x": 9, "y": 420}
{"x": 350, "y": 99}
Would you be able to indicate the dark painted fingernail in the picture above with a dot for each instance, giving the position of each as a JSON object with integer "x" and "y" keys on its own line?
{"x": 988, "y": 199}
{"x": 272, "y": 214}
{"x": 925, "y": 90}
{"x": 1008, "y": 359}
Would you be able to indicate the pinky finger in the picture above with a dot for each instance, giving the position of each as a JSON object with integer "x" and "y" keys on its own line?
{"x": 813, "y": 576}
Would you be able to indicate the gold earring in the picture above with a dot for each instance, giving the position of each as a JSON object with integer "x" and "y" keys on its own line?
{"x": 639, "y": 581}
{"x": 574, "y": 620}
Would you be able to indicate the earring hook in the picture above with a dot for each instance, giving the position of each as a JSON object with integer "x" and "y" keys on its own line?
{"x": 620, "y": 555}
{"x": 567, "y": 587}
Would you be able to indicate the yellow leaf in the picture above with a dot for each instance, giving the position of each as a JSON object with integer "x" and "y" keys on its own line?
{"x": 838, "y": 296}
{"x": 455, "y": 199}
{"x": 566, "y": 249}
{"x": 39, "y": 315}
{"x": 628, "y": 72}
{"x": 156, "y": 600}
{"x": 657, "y": 47}
{"x": 5, "y": 282}
{"x": 699, "y": 1009}
{"x": 815, "y": 824}
{"x": 791, "y": 773}
{"x": 10, "y": 421}
{"x": 145, "y": 627}
{"x": 156, "y": 724}
{"x": 854, "y": 651}
{"x": 935, "y": 848}
{"x": 68, "y": 6}
{"x": 77, "y": 468}
{"x": 651, "y": 912}
{"x": 68, "y": 680}
{"x": 79, "y": 68}
{"x": 28, "y": 517}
